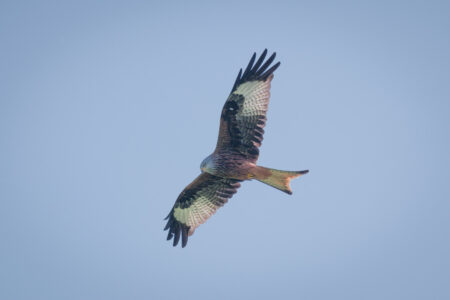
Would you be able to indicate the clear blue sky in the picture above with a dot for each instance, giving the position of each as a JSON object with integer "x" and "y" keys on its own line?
{"x": 107, "y": 109}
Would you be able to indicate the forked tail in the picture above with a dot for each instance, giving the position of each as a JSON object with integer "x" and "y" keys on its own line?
{"x": 277, "y": 178}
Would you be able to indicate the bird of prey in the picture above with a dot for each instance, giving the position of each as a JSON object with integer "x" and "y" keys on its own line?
{"x": 234, "y": 159}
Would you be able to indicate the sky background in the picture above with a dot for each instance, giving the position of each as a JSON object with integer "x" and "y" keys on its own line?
{"x": 107, "y": 109}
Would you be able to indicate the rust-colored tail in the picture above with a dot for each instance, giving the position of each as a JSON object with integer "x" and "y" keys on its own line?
{"x": 277, "y": 178}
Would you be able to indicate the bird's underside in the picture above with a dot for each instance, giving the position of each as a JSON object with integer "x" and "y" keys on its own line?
{"x": 234, "y": 160}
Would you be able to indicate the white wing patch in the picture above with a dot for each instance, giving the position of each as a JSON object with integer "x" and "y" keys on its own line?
{"x": 196, "y": 214}
{"x": 256, "y": 94}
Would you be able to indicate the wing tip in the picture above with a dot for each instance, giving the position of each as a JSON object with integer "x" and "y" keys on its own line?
{"x": 177, "y": 230}
{"x": 257, "y": 71}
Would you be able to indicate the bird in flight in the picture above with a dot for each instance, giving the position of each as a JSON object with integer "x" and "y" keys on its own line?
{"x": 234, "y": 159}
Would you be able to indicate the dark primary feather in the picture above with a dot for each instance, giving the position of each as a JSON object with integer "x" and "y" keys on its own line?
{"x": 249, "y": 66}
{"x": 256, "y": 72}
{"x": 212, "y": 190}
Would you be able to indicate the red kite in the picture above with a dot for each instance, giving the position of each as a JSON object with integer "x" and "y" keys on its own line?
{"x": 234, "y": 159}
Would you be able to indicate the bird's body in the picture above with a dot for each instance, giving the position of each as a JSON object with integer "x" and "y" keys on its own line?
{"x": 234, "y": 159}
{"x": 227, "y": 164}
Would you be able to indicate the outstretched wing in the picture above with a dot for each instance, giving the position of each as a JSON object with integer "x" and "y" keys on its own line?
{"x": 196, "y": 203}
{"x": 244, "y": 113}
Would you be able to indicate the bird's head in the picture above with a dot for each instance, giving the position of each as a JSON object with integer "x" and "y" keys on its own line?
{"x": 207, "y": 165}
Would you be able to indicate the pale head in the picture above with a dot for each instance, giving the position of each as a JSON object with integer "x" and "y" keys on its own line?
{"x": 207, "y": 165}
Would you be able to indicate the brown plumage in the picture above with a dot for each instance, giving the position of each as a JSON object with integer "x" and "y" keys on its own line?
{"x": 234, "y": 160}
